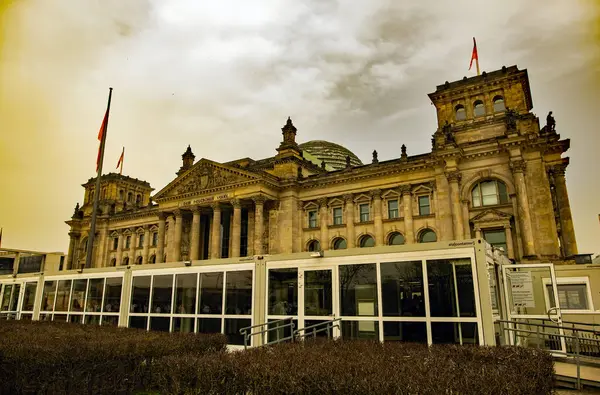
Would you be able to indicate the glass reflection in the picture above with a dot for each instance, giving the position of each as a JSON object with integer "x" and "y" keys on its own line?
{"x": 210, "y": 298}
{"x": 364, "y": 330}
{"x": 402, "y": 289}
{"x": 318, "y": 292}
{"x": 183, "y": 325}
{"x": 442, "y": 288}
{"x": 6, "y": 294}
{"x": 140, "y": 295}
{"x": 112, "y": 299}
{"x": 358, "y": 290}
{"x": 239, "y": 292}
{"x": 94, "y": 296}
{"x": 110, "y": 320}
{"x": 62, "y": 295}
{"x": 185, "y": 293}
{"x": 78, "y": 295}
{"x": 283, "y": 291}
{"x": 415, "y": 332}
{"x": 454, "y": 333}
{"x": 232, "y": 330}
{"x": 162, "y": 292}
{"x": 14, "y": 300}
{"x": 48, "y": 295}
{"x": 29, "y": 297}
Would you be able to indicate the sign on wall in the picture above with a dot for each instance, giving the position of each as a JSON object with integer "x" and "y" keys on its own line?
{"x": 522, "y": 289}
{"x": 206, "y": 200}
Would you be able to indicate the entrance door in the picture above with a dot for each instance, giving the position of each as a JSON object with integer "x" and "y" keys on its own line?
{"x": 317, "y": 300}
{"x": 531, "y": 299}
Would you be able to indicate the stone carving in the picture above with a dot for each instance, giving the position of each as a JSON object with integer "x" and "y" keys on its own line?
{"x": 322, "y": 202}
{"x": 403, "y": 156}
{"x": 447, "y": 132}
{"x": 405, "y": 189}
{"x": 206, "y": 177}
{"x": 518, "y": 166}
{"x": 323, "y": 164}
{"x": 550, "y": 123}
{"x": 453, "y": 176}
{"x": 376, "y": 193}
{"x": 375, "y": 159}
{"x": 511, "y": 119}
{"x": 348, "y": 164}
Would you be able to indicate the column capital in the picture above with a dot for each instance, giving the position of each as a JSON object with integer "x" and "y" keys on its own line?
{"x": 506, "y": 226}
{"x": 259, "y": 199}
{"x": 146, "y": 227}
{"x": 405, "y": 189}
{"x": 453, "y": 176}
{"x": 196, "y": 210}
{"x": 322, "y": 202}
{"x": 178, "y": 213}
{"x": 465, "y": 202}
{"x": 162, "y": 216}
{"x": 236, "y": 203}
{"x": 348, "y": 198}
{"x": 376, "y": 193}
{"x": 558, "y": 170}
{"x": 477, "y": 228}
{"x": 73, "y": 234}
{"x": 216, "y": 206}
{"x": 518, "y": 166}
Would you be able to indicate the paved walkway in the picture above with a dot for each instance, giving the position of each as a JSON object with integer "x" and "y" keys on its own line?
{"x": 570, "y": 369}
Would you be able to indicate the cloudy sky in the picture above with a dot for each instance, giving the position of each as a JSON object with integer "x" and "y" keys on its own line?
{"x": 224, "y": 76}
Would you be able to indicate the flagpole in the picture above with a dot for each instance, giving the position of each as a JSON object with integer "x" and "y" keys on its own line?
{"x": 477, "y": 58}
{"x": 122, "y": 160}
{"x": 90, "y": 244}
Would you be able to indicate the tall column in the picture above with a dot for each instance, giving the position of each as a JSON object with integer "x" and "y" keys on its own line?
{"x": 120, "y": 249}
{"x": 100, "y": 258}
{"x": 251, "y": 231}
{"x": 195, "y": 239}
{"x": 146, "y": 245}
{"x": 236, "y": 234}
{"x": 259, "y": 207}
{"x": 515, "y": 207}
{"x": 350, "y": 220}
{"x": 132, "y": 247}
{"x": 477, "y": 232}
{"x": 324, "y": 224}
{"x": 73, "y": 238}
{"x": 177, "y": 235}
{"x": 457, "y": 212}
{"x": 215, "y": 232}
{"x": 160, "y": 248}
{"x": 509, "y": 242}
{"x": 518, "y": 168}
{"x": 466, "y": 225}
{"x": 567, "y": 231}
{"x": 409, "y": 235}
{"x": 377, "y": 217}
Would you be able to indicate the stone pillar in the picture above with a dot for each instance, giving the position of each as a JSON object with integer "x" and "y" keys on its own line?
{"x": 160, "y": 248}
{"x": 251, "y": 226}
{"x": 377, "y": 217}
{"x": 509, "y": 242}
{"x": 73, "y": 242}
{"x": 350, "y": 220}
{"x": 120, "y": 249}
{"x": 236, "y": 234}
{"x": 518, "y": 168}
{"x": 132, "y": 247}
{"x": 324, "y": 217}
{"x": 515, "y": 206}
{"x": 409, "y": 232}
{"x": 466, "y": 224}
{"x": 457, "y": 211}
{"x": 100, "y": 256}
{"x": 478, "y": 232}
{"x": 146, "y": 250}
{"x": 215, "y": 232}
{"x": 177, "y": 235}
{"x": 259, "y": 224}
{"x": 567, "y": 232}
{"x": 195, "y": 236}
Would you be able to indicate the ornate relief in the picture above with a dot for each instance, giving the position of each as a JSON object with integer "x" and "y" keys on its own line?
{"x": 206, "y": 177}
{"x": 518, "y": 166}
{"x": 454, "y": 176}
{"x": 491, "y": 215}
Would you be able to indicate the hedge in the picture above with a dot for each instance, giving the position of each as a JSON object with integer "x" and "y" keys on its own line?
{"x": 60, "y": 358}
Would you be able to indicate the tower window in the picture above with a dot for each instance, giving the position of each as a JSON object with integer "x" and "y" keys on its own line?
{"x": 115, "y": 243}
{"x": 130, "y": 197}
{"x": 478, "y": 108}
{"x": 460, "y": 113}
{"x": 127, "y": 241}
{"x": 499, "y": 104}
{"x": 154, "y": 239}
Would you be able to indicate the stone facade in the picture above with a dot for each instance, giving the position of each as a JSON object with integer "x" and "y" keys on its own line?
{"x": 492, "y": 173}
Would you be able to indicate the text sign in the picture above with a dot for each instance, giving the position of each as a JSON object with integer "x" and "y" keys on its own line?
{"x": 522, "y": 289}
{"x": 205, "y": 200}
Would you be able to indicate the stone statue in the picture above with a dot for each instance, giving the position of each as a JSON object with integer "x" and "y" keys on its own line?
{"x": 323, "y": 164}
{"x": 447, "y": 131}
{"x": 550, "y": 123}
{"x": 511, "y": 119}
{"x": 348, "y": 161}
{"x": 300, "y": 173}
{"x": 76, "y": 212}
{"x": 375, "y": 160}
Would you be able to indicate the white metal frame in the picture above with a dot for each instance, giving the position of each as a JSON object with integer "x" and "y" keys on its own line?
{"x": 571, "y": 281}
{"x": 22, "y": 282}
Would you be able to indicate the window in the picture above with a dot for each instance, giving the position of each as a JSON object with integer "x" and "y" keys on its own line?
{"x": 314, "y": 245}
{"x": 367, "y": 241}
{"x": 154, "y": 239}
{"x": 427, "y": 236}
{"x": 141, "y": 240}
{"x": 312, "y": 219}
{"x": 126, "y": 261}
{"x": 364, "y": 212}
{"x": 121, "y": 195}
{"x": 138, "y": 260}
{"x": 497, "y": 238}
{"x": 338, "y": 218}
{"x": 393, "y": 209}
{"x": 573, "y": 293}
{"x": 460, "y": 112}
{"x": 130, "y": 197}
{"x": 127, "y": 241}
{"x": 115, "y": 243}
{"x": 499, "y": 104}
{"x": 396, "y": 239}
{"x": 113, "y": 262}
{"x": 138, "y": 199}
{"x": 152, "y": 259}
{"x": 339, "y": 244}
{"x": 489, "y": 193}
{"x": 478, "y": 108}
{"x": 424, "y": 207}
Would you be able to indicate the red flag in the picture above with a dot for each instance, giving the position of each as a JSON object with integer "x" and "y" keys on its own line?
{"x": 120, "y": 162}
{"x": 1, "y": 237}
{"x": 474, "y": 56}
{"x": 100, "y": 135}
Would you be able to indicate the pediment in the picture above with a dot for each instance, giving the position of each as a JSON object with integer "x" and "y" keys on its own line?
{"x": 310, "y": 206}
{"x": 491, "y": 215}
{"x": 362, "y": 198}
{"x": 203, "y": 176}
{"x": 390, "y": 194}
{"x": 422, "y": 190}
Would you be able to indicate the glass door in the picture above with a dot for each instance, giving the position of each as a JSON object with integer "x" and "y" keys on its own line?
{"x": 317, "y": 303}
{"x": 528, "y": 289}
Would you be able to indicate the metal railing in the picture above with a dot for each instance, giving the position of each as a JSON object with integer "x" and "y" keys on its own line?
{"x": 264, "y": 329}
{"x": 575, "y": 343}
{"x": 313, "y": 330}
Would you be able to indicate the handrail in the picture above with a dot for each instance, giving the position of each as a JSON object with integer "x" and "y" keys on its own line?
{"x": 523, "y": 322}
{"x": 264, "y": 331}
{"x": 328, "y": 327}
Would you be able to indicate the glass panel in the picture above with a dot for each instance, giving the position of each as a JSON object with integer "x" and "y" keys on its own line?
{"x": 396, "y": 239}
{"x": 402, "y": 289}
{"x": 138, "y": 322}
{"x": 29, "y": 297}
{"x": 476, "y": 196}
{"x": 358, "y": 290}
{"x": 318, "y": 331}
{"x": 367, "y": 241}
{"x": 522, "y": 284}
{"x": 337, "y": 216}
{"x": 112, "y": 299}
{"x": 26, "y": 317}
{"x": 92, "y": 319}
{"x": 570, "y": 296}
{"x": 78, "y": 295}
{"x": 62, "y": 295}
{"x": 442, "y": 289}
{"x": 185, "y": 293}
{"x": 283, "y": 291}
{"x": 60, "y": 318}
{"x": 110, "y": 320}
{"x": 211, "y": 293}
{"x": 496, "y": 238}
{"x": 140, "y": 295}
{"x": 312, "y": 219}
{"x": 209, "y": 325}
{"x": 14, "y": 300}
{"x": 239, "y": 292}
{"x": 48, "y": 295}
{"x": 6, "y": 297}
{"x": 502, "y": 192}
{"x": 76, "y": 319}
{"x": 94, "y": 296}
{"x": 424, "y": 205}
{"x": 364, "y": 212}
{"x": 392, "y": 209}
{"x": 360, "y": 330}
{"x": 454, "y": 333}
{"x": 162, "y": 293}
{"x": 466, "y": 289}
{"x": 161, "y": 324}
{"x": 489, "y": 193}
{"x": 461, "y": 114}
{"x": 405, "y": 331}
{"x": 499, "y": 105}
{"x": 232, "y": 330}
{"x": 183, "y": 325}
{"x": 339, "y": 244}
{"x": 318, "y": 292}
{"x": 281, "y": 330}
{"x": 428, "y": 236}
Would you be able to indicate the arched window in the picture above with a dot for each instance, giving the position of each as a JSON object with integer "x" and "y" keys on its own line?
{"x": 427, "y": 236}
{"x": 130, "y": 197}
{"x": 165, "y": 258}
{"x": 152, "y": 259}
{"x": 113, "y": 262}
{"x": 460, "y": 113}
{"x": 499, "y": 104}
{"x": 314, "y": 245}
{"x": 478, "y": 108}
{"x": 121, "y": 194}
{"x": 396, "y": 239}
{"x": 126, "y": 261}
{"x": 489, "y": 193}
{"x": 138, "y": 199}
{"x": 339, "y": 244}
{"x": 366, "y": 241}
{"x": 138, "y": 260}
